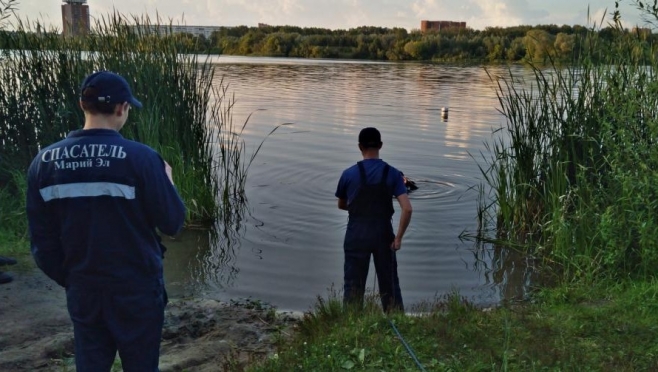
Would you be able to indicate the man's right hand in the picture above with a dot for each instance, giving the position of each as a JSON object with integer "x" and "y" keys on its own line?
{"x": 396, "y": 244}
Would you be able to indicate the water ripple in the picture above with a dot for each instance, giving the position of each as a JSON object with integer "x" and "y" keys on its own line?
{"x": 292, "y": 248}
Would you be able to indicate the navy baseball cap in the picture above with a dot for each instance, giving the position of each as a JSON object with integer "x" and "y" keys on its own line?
{"x": 370, "y": 137}
{"x": 108, "y": 88}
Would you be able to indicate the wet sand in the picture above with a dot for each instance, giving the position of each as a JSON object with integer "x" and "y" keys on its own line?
{"x": 199, "y": 335}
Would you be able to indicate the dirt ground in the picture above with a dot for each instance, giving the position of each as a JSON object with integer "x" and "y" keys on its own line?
{"x": 199, "y": 335}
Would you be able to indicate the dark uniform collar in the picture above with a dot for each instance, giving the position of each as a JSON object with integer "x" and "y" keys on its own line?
{"x": 94, "y": 132}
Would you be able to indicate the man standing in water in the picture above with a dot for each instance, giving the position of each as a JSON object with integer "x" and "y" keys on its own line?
{"x": 94, "y": 201}
{"x": 366, "y": 190}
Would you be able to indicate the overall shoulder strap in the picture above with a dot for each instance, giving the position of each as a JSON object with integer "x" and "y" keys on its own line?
{"x": 362, "y": 171}
{"x": 385, "y": 174}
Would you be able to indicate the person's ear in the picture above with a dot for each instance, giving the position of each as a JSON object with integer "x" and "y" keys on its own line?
{"x": 121, "y": 108}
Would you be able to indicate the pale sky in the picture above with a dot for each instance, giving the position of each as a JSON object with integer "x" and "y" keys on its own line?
{"x": 335, "y": 14}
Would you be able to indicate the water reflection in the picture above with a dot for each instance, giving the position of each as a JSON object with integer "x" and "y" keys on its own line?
{"x": 288, "y": 247}
{"x": 202, "y": 260}
{"x": 508, "y": 272}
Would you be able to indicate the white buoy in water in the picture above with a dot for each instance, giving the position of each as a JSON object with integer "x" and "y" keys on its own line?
{"x": 444, "y": 112}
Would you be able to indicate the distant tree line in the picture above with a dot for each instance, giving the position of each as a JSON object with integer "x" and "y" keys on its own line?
{"x": 517, "y": 43}
{"x": 536, "y": 43}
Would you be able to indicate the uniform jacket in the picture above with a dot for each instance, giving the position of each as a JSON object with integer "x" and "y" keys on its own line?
{"x": 94, "y": 201}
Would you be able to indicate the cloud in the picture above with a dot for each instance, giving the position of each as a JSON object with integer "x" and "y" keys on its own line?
{"x": 507, "y": 13}
{"x": 424, "y": 8}
{"x": 343, "y": 13}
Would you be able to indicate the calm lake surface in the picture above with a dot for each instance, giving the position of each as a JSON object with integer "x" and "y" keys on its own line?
{"x": 287, "y": 249}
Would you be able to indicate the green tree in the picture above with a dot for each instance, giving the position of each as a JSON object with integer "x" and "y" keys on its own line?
{"x": 495, "y": 47}
{"x": 516, "y": 50}
{"x": 539, "y": 44}
{"x": 397, "y": 44}
{"x": 415, "y": 49}
{"x": 565, "y": 44}
{"x": 396, "y": 52}
{"x": 250, "y": 42}
{"x": 280, "y": 44}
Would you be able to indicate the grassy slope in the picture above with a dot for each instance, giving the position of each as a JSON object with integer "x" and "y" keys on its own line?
{"x": 609, "y": 328}
{"x": 18, "y": 248}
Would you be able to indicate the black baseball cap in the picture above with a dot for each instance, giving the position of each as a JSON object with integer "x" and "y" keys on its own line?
{"x": 108, "y": 88}
{"x": 370, "y": 137}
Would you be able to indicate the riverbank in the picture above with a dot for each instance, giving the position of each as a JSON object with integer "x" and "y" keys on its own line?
{"x": 604, "y": 327}
{"x": 199, "y": 335}
{"x": 571, "y": 328}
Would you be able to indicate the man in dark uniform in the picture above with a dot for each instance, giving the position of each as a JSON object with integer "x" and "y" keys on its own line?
{"x": 366, "y": 190}
{"x": 94, "y": 201}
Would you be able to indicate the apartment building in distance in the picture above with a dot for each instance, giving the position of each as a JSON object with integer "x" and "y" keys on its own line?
{"x": 440, "y": 25}
{"x": 205, "y": 31}
{"x": 75, "y": 18}
{"x": 642, "y": 32}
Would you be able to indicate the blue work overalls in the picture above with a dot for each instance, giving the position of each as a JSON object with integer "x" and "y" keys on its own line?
{"x": 369, "y": 232}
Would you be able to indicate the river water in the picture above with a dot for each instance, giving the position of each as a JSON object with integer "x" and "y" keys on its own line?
{"x": 288, "y": 248}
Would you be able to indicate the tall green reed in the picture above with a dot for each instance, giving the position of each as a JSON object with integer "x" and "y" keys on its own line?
{"x": 571, "y": 175}
{"x": 7, "y": 8}
{"x": 13, "y": 220}
{"x": 186, "y": 116}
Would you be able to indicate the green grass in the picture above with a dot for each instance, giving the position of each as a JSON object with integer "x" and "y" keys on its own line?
{"x": 611, "y": 326}
{"x": 66, "y": 364}
{"x": 571, "y": 176}
{"x": 13, "y": 247}
{"x": 571, "y": 181}
{"x": 605, "y": 328}
{"x": 13, "y": 223}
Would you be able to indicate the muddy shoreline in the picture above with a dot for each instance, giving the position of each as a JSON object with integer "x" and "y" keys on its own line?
{"x": 199, "y": 334}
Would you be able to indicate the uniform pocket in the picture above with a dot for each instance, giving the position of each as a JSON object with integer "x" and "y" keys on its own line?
{"x": 84, "y": 306}
{"x": 139, "y": 304}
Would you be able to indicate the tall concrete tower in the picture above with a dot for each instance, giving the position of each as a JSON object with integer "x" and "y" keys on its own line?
{"x": 75, "y": 18}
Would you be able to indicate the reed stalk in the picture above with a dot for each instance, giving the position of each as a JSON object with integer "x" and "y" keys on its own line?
{"x": 571, "y": 175}
{"x": 186, "y": 117}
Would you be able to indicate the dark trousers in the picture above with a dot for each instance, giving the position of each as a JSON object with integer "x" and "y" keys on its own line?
{"x": 106, "y": 321}
{"x": 362, "y": 240}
